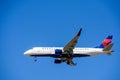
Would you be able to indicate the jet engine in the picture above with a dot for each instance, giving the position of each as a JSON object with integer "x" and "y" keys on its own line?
{"x": 57, "y": 61}
{"x": 58, "y": 51}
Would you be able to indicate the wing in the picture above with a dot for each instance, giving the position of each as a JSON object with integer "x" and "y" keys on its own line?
{"x": 68, "y": 61}
{"x": 68, "y": 49}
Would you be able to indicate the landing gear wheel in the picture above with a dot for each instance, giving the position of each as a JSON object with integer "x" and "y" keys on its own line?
{"x": 35, "y": 60}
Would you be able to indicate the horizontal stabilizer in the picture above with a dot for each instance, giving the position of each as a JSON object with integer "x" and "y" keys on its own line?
{"x": 109, "y": 53}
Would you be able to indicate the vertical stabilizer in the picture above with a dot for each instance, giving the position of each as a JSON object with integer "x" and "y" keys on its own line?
{"x": 106, "y": 42}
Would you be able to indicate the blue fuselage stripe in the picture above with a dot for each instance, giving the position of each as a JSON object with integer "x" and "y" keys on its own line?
{"x": 60, "y": 56}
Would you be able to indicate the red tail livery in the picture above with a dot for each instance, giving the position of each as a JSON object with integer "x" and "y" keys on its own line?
{"x": 106, "y": 42}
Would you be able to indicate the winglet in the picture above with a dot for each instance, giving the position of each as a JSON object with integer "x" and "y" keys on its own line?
{"x": 78, "y": 34}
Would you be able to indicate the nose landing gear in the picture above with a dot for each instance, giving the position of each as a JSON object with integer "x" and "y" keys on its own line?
{"x": 35, "y": 58}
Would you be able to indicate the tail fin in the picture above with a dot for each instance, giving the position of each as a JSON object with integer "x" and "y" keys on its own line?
{"x": 106, "y": 42}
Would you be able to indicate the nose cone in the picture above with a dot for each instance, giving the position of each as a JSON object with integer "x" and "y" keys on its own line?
{"x": 27, "y": 53}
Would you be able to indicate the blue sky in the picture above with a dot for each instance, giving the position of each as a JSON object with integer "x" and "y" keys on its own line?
{"x": 28, "y": 23}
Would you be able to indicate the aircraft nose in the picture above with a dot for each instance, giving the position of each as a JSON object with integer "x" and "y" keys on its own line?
{"x": 27, "y": 53}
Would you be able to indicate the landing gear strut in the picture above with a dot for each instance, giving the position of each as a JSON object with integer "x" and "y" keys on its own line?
{"x": 35, "y": 58}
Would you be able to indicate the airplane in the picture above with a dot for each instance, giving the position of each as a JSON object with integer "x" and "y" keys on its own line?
{"x": 68, "y": 52}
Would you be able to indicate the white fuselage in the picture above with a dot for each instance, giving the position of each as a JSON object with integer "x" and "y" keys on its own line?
{"x": 46, "y": 51}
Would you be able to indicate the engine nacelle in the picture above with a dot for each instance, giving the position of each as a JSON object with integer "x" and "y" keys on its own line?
{"x": 58, "y": 51}
{"x": 57, "y": 61}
